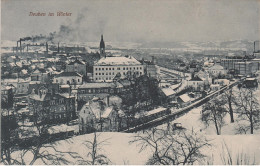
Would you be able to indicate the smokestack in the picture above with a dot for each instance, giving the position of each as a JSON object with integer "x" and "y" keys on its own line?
{"x": 17, "y": 46}
{"x": 108, "y": 101}
{"x": 58, "y": 47}
{"x": 254, "y": 46}
{"x": 46, "y": 48}
{"x": 20, "y": 45}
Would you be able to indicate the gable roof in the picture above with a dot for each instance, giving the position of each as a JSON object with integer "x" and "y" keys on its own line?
{"x": 68, "y": 74}
{"x": 76, "y": 62}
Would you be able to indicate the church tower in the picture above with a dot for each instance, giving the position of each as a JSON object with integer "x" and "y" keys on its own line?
{"x": 102, "y": 47}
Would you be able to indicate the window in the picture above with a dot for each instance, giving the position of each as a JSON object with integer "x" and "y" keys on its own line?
{"x": 118, "y": 68}
{"x": 102, "y": 73}
{"x": 96, "y": 73}
{"x": 102, "y": 68}
{"x": 130, "y": 68}
{"x": 96, "y": 78}
{"x": 99, "y": 68}
{"x": 123, "y": 68}
{"x": 136, "y": 68}
{"x": 140, "y": 73}
{"x": 106, "y": 68}
{"x": 127, "y": 68}
{"x": 96, "y": 69}
{"x": 109, "y": 68}
{"x": 113, "y": 68}
{"x": 99, "y": 73}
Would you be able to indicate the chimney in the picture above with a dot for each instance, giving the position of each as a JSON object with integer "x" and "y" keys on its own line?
{"x": 46, "y": 48}
{"x": 58, "y": 47}
{"x": 20, "y": 45}
{"x": 17, "y": 46}
{"x": 254, "y": 46}
{"x": 108, "y": 101}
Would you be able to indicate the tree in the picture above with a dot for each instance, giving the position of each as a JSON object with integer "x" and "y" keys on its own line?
{"x": 214, "y": 111}
{"x": 247, "y": 107}
{"x": 94, "y": 156}
{"x": 171, "y": 149}
{"x": 228, "y": 96}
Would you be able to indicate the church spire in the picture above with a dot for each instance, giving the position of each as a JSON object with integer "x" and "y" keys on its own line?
{"x": 102, "y": 47}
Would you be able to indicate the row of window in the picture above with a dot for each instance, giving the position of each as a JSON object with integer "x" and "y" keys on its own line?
{"x": 120, "y": 68}
{"x": 124, "y": 73}
{"x": 104, "y": 90}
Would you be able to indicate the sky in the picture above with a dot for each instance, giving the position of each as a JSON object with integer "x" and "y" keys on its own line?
{"x": 135, "y": 20}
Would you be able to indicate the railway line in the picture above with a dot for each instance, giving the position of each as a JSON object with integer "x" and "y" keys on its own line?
{"x": 177, "y": 113}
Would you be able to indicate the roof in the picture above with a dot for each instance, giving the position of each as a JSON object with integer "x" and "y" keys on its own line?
{"x": 155, "y": 111}
{"x": 185, "y": 98}
{"x": 68, "y": 74}
{"x": 76, "y": 62}
{"x": 107, "y": 112}
{"x": 45, "y": 97}
{"x": 195, "y": 79}
{"x": 168, "y": 91}
{"x": 98, "y": 85}
{"x": 216, "y": 67}
{"x": 118, "y": 60}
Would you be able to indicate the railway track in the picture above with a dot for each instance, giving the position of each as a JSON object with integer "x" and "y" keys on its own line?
{"x": 180, "y": 112}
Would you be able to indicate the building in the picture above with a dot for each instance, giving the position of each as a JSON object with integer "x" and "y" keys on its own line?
{"x": 51, "y": 107}
{"x": 96, "y": 115}
{"x": 40, "y": 75}
{"x": 22, "y": 87}
{"x": 71, "y": 78}
{"x": 196, "y": 84}
{"x": 107, "y": 68}
{"x": 88, "y": 91}
{"x": 150, "y": 68}
{"x": 77, "y": 66}
{"x": 229, "y": 64}
{"x": 216, "y": 70}
{"x": 246, "y": 68}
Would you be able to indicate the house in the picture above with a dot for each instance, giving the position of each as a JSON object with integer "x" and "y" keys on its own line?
{"x": 50, "y": 108}
{"x": 216, "y": 70}
{"x": 88, "y": 91}
{"x": 71, "y": 78}
{"x": 22, "y": 87}
{"x": 196, "y": 84}
{"x": 40, "y": 75}
{"x": 184, "y": 100}
{"x": 45, "y": 88}
{"x": 168, "y": 92}
{"x": 221, "y": 82}
{"x": 205, "y": 76}
{"x": 77, "y": 66}
{"x": 215, "y": 87}
{"x": 95, "y": 115}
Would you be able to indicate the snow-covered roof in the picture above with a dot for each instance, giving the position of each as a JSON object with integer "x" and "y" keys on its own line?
{"x": 62, "y": 128}
{"x": 107, "y": 112}
{"x": 118, "y": 60}
{"x": 216, "y": 67}
{"x": 155, "y": 111}
{"x": 185, "y": 98}
{"x": 98, "y": 85}
{"x": 168, "y": 91}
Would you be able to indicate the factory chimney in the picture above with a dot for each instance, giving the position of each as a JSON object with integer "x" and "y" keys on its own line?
{"x": 20, "y": 45}
{"x": 46, "y": 48}
{"x": 152, "y": 59}
{"x": 254, "y": 46}
{"x": 17, "y": 46}
{"x": 58, "y": 47}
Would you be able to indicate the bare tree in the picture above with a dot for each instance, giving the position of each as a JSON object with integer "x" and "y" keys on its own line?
{"x": 94, "y": 156}
{"x": 171, "y": 149}
{"x": 229, "y": 97}
{"x": 214, "y": 111}
{"x": 247, "y": 107}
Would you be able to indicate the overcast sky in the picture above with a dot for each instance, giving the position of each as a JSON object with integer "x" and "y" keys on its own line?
{"x": 136, "y": 21}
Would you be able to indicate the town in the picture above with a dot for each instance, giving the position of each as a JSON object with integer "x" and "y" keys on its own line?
{"x": 70, "y": 92}
{"x": 130, "y": 82}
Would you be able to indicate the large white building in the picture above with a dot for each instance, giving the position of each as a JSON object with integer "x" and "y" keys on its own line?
{"x": 107, "y": 68}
